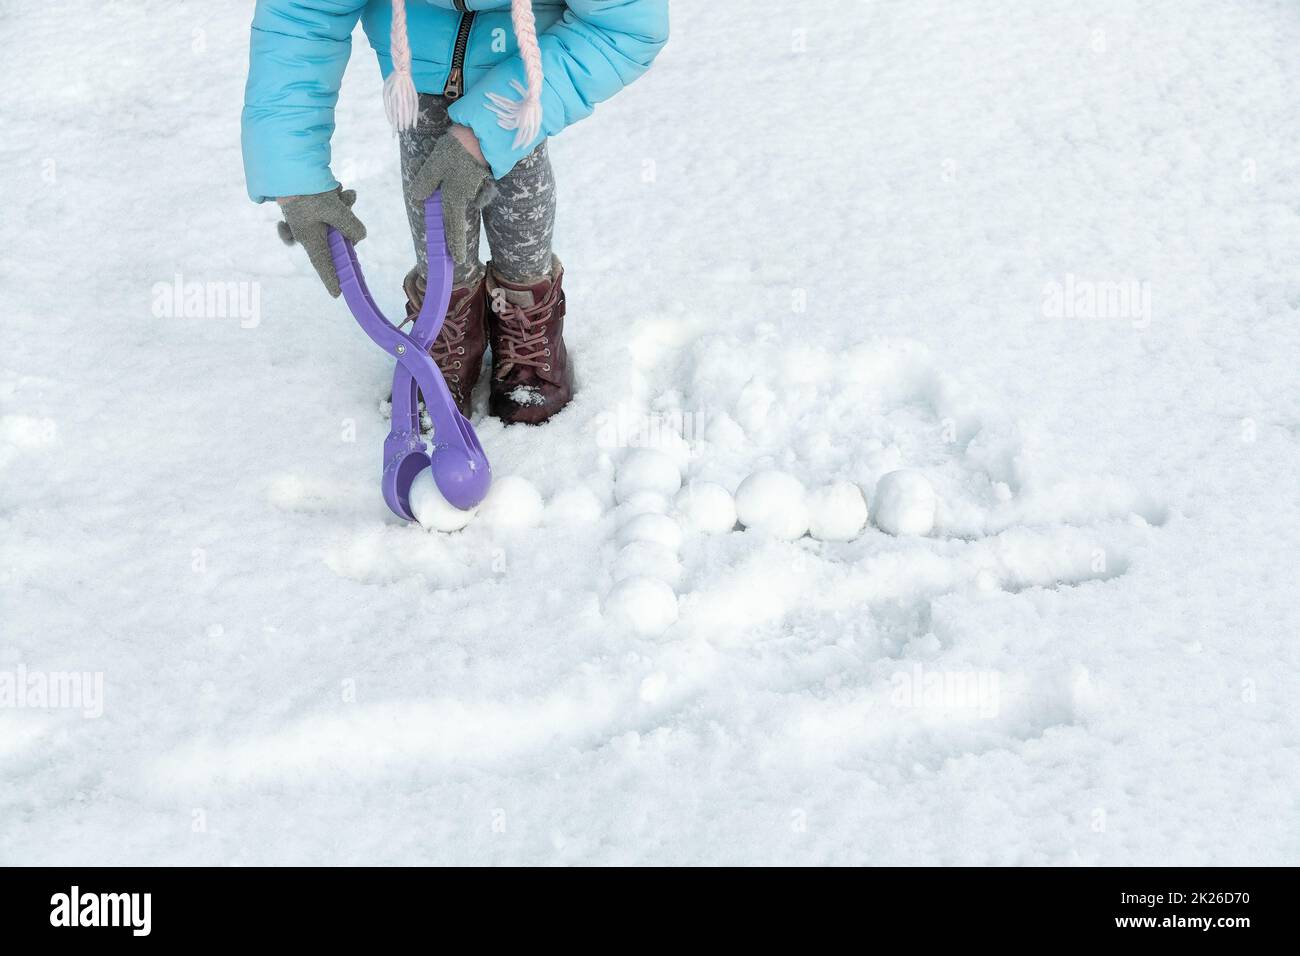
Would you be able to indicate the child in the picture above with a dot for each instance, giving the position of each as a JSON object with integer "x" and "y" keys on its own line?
{"x": 474, "y": 88}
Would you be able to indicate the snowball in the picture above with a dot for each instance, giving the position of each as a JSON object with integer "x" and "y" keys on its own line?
{"x": 774, "y": 503}
{"x": 644, "y": 559}
{"x": 707, "y": 507}
{"x": 647, "y": 470}
{"x": 431, "y": 509}
{"x": 905, "y": 503}
{"x": 646, "y": 605}
{"x": 512, "y": 502}
{"x": 574, "y": 506}
{"x": 837, "y": 512}
{"x": 654, "y": 528}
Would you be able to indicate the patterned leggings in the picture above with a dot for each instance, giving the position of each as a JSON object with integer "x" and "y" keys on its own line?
{"x": 520, "y": 219}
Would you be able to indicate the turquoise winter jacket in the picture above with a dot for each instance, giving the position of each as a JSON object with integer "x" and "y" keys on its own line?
{"x": 591, "y": 49}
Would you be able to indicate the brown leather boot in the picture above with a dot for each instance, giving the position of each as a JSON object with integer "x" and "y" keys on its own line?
{"x": 532, "y": 378}
{"x": 461, "y": 341}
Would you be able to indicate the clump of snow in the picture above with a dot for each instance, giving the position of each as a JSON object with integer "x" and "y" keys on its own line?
{"x": 512, "y": 502}
{"x": 431, "y": 509}
{"x": 837, "y": 512}
{"x": 707, "y": 507}
{"x": 647, "y": 470}
{"x": 773, "y": 502}
{"x": 905, "y": 503}
{"x": 654, "y": 528}
{"x": 527, "y": 395}
{"x": 646, "y": 605}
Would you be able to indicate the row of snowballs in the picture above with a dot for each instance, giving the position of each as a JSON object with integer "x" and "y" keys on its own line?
{"x": 769, "y": 501}
{"x": 647, "y": 568}
{"x": 778, "y": 504}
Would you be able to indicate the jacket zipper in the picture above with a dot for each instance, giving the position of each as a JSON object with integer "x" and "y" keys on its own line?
{"x": 456, "y": 77}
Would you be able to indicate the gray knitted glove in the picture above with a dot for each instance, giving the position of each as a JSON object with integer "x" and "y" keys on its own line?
{"x": 465, "y": 183}
{"x": 305, "y": 219}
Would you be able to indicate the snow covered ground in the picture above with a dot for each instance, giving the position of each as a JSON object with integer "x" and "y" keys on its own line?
{"x": 1044, "y": 253}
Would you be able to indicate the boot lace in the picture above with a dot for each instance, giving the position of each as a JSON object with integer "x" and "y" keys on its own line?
{"x": 448, "y": 346}
{"x": 525, "y": 340}
{"x": 449, "y": 343}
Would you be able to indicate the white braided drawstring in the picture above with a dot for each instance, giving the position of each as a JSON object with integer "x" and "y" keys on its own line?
{"x": 525, "y": 114}
{"x": 401, "y": 102}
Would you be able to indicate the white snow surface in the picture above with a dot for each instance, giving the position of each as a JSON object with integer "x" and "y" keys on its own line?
{"x": 1093, "y": 658}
